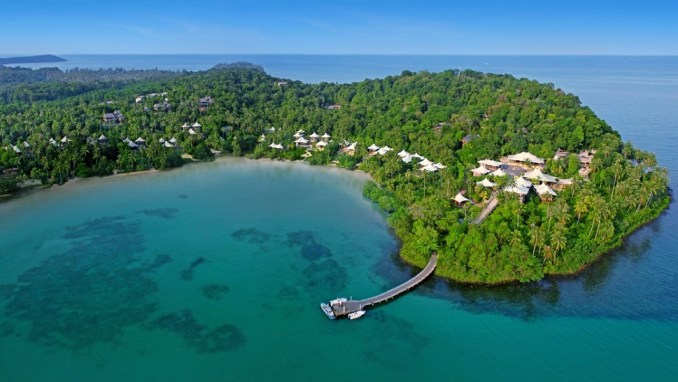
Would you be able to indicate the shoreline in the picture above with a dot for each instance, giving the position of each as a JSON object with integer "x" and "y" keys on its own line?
{"x": 361, "y": 175}
{"x": 68, "y": 184}
{"x": 5, "y": 198}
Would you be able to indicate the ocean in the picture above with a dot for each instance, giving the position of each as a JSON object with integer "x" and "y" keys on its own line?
{"x": 215, "y": 271}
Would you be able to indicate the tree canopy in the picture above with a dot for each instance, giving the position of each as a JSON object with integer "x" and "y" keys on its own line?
{"x": 52, "y": 123}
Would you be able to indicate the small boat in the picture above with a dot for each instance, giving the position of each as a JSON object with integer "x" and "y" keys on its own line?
{"x": 327, "y": 310}
{"x": 356, "y": 315}
{"x": 338, "y": 301}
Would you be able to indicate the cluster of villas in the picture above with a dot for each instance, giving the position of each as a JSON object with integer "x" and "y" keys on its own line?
{"x": 159, "y": 106}
{"x": 313, "y": 142}
{"x": 424, "y": 163}
{"x": 192, "y": 130}
{"x": 150, "y": 95}
{"x": 525, "y": 171}
{"x": 114, "y": 117}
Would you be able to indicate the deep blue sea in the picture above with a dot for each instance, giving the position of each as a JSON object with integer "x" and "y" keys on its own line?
{"x": 103, "y": 279}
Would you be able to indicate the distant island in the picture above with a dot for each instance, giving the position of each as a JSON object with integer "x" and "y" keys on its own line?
{"x": 31, "y": 59}
{"x": 505, "y": 179}
{"x": 240, "y": 65}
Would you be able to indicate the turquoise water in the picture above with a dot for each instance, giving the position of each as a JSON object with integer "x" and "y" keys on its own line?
{"x": 215, "y": 271}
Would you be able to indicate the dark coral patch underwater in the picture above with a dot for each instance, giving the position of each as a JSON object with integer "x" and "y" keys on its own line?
{"x": 202, "y": 339}
{"x": 90, "y": 293}
{"x": 311, "y": 250}
{"x": 251, "y": 235}
{"x": 214, "y": 291}
{"x": 163, "y": 213}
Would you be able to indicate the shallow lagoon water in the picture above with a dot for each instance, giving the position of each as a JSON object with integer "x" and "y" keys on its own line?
{"x": 215, "y": 271}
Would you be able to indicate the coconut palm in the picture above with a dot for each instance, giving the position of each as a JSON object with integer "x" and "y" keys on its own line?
{"x": 581, "y": 207}
{"x": 617, "y": 169}
{"x": 558, "y": 239}
{"x": 537, "y": 237}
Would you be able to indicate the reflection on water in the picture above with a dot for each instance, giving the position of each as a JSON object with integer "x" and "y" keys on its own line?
{"x": 617, "y": 285}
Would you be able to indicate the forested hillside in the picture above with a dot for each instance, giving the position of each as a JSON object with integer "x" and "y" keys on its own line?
{"x": 454, "y": 118}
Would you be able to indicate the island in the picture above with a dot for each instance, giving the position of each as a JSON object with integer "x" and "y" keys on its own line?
{"x": 503, "y": 179}
{"x": 31, "y": 59}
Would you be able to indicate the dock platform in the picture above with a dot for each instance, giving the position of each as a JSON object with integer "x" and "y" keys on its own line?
{"x": 350, "y": 306}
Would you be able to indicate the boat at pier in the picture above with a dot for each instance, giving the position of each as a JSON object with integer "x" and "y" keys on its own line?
{"x": 356, "y": 315}
{"x": 327, "y": 310}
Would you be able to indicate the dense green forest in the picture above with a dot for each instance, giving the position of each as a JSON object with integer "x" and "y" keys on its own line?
{"x": 51, "y": 129}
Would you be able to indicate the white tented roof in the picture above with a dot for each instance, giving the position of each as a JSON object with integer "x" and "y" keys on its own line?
{"x": 314, "y": 135}
{"x": 486, "y": 183}
{"x": 459, "y": 198}
{"x": 373, "y": 147}
{"x": 384, "y": 150}
{"x": 517, "y": 190}
{"x": 522, "y": 182}
{"x": 490, "y": 162}
{"x": 403, "y": 154}
{"x": 481, "y": 170}
{"x": 425, "y": 162}
{"x": 538, "y": 175}
{"x": 526, "y": 157}
{"x": 499, "y": 172}
{"x": 429, "y": 168}
{"x": 543, "y": 189}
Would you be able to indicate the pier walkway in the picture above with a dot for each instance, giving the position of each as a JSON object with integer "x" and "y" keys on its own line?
{"x": 356, "y": 305}
{"x": 491, "y": 205}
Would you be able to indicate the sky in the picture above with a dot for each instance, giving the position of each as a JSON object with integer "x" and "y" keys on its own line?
{"x": 483, "y": 27}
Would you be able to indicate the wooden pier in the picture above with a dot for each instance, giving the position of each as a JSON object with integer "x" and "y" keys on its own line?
{"x": 351, "y": 306}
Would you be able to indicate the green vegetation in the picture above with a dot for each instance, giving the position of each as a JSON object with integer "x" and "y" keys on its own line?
{"x": 31, "y": 59}
{"x": 418, "y": 112}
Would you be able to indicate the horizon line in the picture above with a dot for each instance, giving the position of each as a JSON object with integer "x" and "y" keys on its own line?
{"x": 9, "y": 55}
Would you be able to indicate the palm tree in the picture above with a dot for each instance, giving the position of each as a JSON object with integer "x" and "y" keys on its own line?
{"x": 607, "y": 230}
{"x": 617, "y": 168}
{"x": 581, "y": 207}
{"x": 601, "y": 212}
{"x": 537, "y": 237}
{"x": 558, "y": 239}
{"x": 518, "y": 211}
